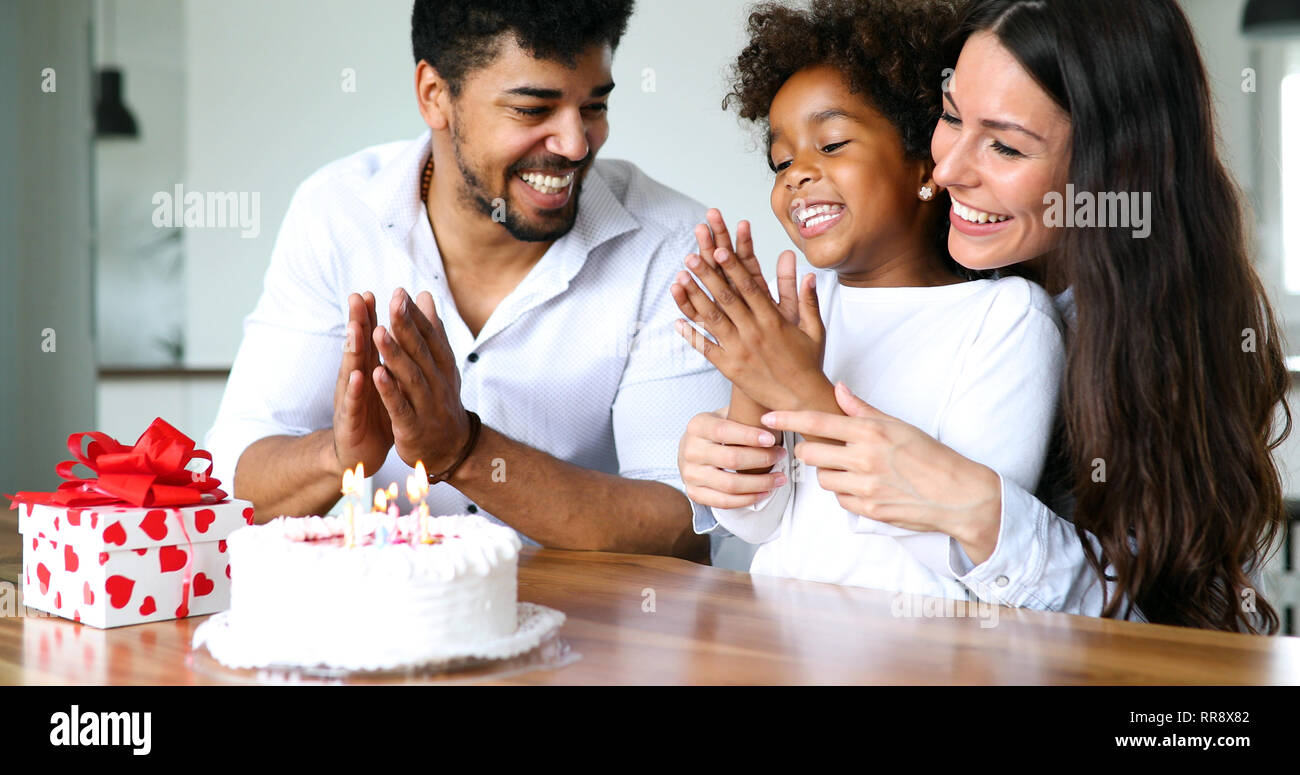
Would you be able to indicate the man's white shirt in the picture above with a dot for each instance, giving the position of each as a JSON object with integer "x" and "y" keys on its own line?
{"x": 580, "y": 360}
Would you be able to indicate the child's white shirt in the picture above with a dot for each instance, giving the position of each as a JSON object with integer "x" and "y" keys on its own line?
{"x": 976, "y": 365}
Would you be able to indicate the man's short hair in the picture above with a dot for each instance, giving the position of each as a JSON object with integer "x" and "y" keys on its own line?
{"x": 458, "y": 37}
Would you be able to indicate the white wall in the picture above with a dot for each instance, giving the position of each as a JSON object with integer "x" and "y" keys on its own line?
{"x": 125, "y": 405}
{"x": 264, "y": 108}
{"x": 678, "y": 133}
{"x": 1226, "y": 52}
{"x": 139, "y": 290}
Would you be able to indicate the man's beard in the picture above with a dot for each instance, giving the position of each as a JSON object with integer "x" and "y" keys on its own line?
{"x": 475, "y": 193}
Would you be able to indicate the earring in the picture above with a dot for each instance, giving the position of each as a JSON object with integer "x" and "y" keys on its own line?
{"x": 926, "y": 193}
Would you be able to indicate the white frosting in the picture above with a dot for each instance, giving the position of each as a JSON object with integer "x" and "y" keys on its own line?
{"x": 298, "y": 597}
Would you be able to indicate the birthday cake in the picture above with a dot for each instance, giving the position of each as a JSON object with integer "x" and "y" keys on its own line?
{"x": 367, "y": 592}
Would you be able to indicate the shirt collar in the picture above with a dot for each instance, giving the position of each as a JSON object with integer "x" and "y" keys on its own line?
{"x": 393, "y": 193}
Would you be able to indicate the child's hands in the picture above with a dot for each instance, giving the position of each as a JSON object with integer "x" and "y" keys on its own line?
{"x": 715, "y": 235}
{"x": 775, "y": 362}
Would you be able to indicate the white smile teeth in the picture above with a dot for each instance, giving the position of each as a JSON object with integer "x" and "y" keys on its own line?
{"x": 809, "y": 217}
{"x": 547, "y": 184}
{"x": 976, "y": 216}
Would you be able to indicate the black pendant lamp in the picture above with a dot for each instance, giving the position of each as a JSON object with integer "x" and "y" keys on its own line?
{"x": 112, "y": 118}
{"x": 1272, "y": 18}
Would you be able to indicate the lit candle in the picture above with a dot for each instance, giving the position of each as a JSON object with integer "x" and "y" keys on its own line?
{"x": 392, "y": 511}
{"x": 425, "y": 534}
{"x": 392, "y": 503}
{"x": 349, "y": 489}
{"x": 413, "y": 495}
{"x": 418, "y": 489}
{"x": 381, "y": 508}
{"x": 359, "y": 490}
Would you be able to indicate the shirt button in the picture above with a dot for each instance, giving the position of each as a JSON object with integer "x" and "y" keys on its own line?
{"x": 471, "y": 508}
{"x": 1002, "y": 581}
{"x": 472, "y": 357}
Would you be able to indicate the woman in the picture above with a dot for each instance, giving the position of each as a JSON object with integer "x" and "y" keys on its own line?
{"x": 1174, "y": 370}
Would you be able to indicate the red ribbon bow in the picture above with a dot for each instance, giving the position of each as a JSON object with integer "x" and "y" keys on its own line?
{"x": 153, "y": 472}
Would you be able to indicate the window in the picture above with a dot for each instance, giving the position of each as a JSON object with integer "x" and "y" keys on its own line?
{"x": 1274, "y": 102}
{"x": 1290, "y": 180}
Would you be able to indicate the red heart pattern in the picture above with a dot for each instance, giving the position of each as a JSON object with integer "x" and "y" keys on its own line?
{"x": 203, "y": 585}
{"x": 43, "y": 575}
{"x": 148, "y": 606}
{"x": 70, "y": 559}
{"x": 171, "y": 558}
{"x": 88, "y": 594}
{"x": 115, "y": 534}
{"x": 221, "y": 546}
{"x": 103, "y": 558}
{"x": 248, "y": 515}
{"x": 203, "y": 519}
{"x": 154, "y": 524}
{"x": 119, "y": 590}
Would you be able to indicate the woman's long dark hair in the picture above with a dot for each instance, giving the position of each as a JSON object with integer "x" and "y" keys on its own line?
{"x": 1175, "y": 377}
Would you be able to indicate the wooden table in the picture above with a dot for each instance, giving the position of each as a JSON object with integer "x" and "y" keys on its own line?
{"x": 711, "y": 626}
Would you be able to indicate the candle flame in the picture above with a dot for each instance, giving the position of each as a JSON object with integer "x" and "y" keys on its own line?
{"x": 412, "y": 489}
{"x": 392, "y": 491}
{"x": 349, "y": 482}
{"x": 381, "y": 500}
{"x": 360, "y": 474}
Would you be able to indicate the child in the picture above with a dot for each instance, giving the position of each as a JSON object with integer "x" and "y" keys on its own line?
{"x": 850, "y": 94}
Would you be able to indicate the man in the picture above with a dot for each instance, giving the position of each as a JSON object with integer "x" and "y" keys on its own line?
{"x": 543, "y": 303}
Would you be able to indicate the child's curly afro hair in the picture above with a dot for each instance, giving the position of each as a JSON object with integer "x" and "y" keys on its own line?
{"x": 890, "y": 51}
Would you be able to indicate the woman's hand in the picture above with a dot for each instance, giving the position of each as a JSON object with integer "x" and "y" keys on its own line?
{"x": 893, "y": 472}
{"x": 775, "y": 362}
{"x": 713, "y": 444}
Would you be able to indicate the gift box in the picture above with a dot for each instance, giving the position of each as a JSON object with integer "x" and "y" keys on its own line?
{"x": 107, "y": 567}
{"x": 142, "y": 541}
